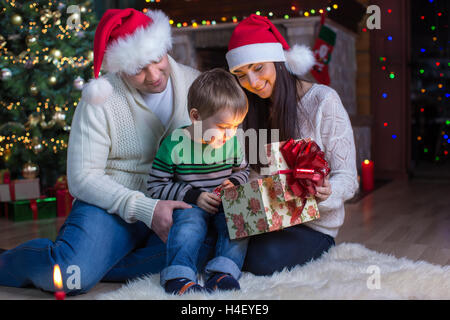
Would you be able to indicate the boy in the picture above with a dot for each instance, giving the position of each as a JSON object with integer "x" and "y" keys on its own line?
{"x": 189, "y": 165}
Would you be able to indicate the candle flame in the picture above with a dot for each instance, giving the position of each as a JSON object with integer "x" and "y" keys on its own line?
{"x": 366, "y": 161}
{"x": 57, "y": 278}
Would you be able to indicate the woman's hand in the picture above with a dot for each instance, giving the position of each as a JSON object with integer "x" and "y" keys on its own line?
{"x": 209, "y": 202}
{"x": 324, "y": 192}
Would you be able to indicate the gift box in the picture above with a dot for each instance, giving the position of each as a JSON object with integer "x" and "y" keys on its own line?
{"x": 4, "y": 176}
{"x": 34, "y": 209}
{"x": 23, "y": 189}
{"x": 281, "y": 200}
{"x": 63, "y": 202}
{"x": 259, "y": 206}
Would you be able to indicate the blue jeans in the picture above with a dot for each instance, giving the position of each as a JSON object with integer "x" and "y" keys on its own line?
{"x": 185, "y": 239}
{"x": 102, "y": 245}
{"x": 106, "y": 248}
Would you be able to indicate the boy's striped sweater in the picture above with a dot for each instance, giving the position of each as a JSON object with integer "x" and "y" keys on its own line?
{"x": 183, "y": 168}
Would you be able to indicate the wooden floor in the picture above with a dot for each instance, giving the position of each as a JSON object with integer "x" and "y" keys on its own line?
{"x": 405, "y": 218}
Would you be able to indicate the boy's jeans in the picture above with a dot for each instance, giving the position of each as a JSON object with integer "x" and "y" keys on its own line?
{"x": 186, "y": 236}
{"x": 94, "y": 245}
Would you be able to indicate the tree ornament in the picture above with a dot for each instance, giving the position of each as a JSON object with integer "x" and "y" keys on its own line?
{"x": 34, "y": 89}
{"x": 90, "y": 55}
{"x": 47, "y": 125}
{"x": 59, "y": 118}
{"x": 36, "y": 145}
{"x": 33, "y": 120}
{"x": 30, "y": 170}
{"x": 52, "y": 80}
{"x": 7, "y": 154}
{"x": 56, "y": 54}
{"x": 31, "y": 39}
{"x": 47, "y": 15}
{"x": 16, "y": 19}
{"x": 2, "y": 41}
{"x": 6, "y": 74}
{"x": 22, "y": 55}
{"x": 29, "y": 64}
{"x": 78, "y": 83}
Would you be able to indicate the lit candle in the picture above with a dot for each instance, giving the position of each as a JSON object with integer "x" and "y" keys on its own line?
{"x": 57, "y": 280}
{"x": 367, "y": 175}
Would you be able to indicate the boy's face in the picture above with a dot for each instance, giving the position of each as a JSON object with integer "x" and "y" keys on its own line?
{"x": 218, "y": 128}
{"x": 152, "y": 78}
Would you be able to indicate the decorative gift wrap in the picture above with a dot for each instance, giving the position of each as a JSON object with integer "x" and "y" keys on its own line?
{"x": 259, "y": 206}
{"x": 63, "y": 197}
{"x": 23, "y": 189}
{"x": 285, "y": 198}
{"x": 32, "y": 209}
{"x": 63, "y": 202}
{"x": 4, "y": 176}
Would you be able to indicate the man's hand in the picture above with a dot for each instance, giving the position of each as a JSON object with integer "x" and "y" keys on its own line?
{"x": 162, "y": 216}
{"x": 209, "y": 202}
{"x": 226, "y": 184}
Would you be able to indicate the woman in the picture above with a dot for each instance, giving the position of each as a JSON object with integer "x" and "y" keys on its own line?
{"x": 270, "y": 71}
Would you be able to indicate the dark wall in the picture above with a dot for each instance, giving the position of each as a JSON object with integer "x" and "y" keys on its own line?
{"x": 391, "y": 143}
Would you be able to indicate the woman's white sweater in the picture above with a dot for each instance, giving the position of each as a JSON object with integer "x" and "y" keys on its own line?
{"x": 112, "y": 146}
{"x": 323, "y": 118}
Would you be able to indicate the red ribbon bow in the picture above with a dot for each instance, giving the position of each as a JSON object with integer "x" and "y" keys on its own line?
{"x": 308, "y": 166}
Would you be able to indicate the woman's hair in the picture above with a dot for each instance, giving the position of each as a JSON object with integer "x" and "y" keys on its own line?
{"x": 215, "y": 90}
{"x": 278, "y": 112}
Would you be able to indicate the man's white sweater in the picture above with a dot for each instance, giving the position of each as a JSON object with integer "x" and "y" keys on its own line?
{"x": 112, "y": 146}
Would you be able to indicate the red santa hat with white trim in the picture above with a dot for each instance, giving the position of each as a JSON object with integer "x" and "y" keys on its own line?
{"x": 126, "y": 40}
{"x": 256, "y": 39}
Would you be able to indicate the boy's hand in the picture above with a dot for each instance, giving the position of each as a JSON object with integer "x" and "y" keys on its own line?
{"x": 226, "y": 184}
{"x": 209, "y": 202}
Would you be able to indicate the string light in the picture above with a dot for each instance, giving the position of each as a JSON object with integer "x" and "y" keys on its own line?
{"x": 235, "y": 19}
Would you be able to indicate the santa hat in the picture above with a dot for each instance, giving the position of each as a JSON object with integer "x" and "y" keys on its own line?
{"x": 126, "y": 40}
{"x": 256, "y": 39}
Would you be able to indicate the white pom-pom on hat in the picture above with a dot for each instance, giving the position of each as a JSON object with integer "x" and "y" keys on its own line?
{"x": 299, "y": 59}
{"x": 96, "y": 91}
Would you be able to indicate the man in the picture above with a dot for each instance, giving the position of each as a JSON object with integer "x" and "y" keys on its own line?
{"x": 114, "y": 231}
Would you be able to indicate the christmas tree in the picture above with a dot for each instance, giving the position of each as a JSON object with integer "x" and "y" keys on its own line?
{"x": 45, "y": 56}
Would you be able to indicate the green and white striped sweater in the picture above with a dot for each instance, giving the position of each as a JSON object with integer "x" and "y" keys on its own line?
{"x": 183, "y": 168}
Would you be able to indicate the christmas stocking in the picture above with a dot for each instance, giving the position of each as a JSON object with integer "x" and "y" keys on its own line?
{"x": 322, "y": 51}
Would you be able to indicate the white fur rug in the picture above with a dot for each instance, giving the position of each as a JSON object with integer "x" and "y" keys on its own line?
{"x": 347, "y": 271}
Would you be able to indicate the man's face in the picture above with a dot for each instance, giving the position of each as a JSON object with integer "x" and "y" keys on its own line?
{"x": 152, "y": 78}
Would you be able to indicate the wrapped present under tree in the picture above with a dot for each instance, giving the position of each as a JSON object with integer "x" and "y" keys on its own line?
{"x": 24, "y": 210}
